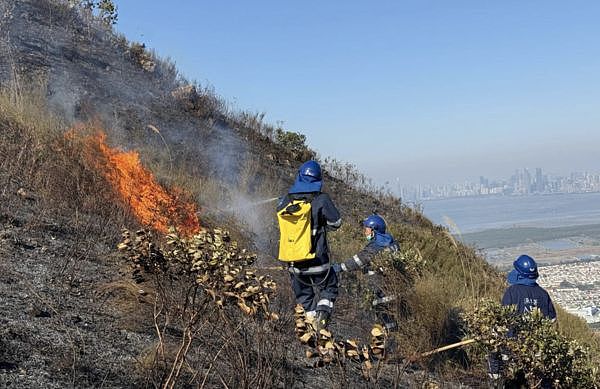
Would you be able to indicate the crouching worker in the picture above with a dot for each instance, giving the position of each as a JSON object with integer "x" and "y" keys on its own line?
{"x": 378, "y": 241}
{"x": 524, "y": 293}
{"x": 305, "y": 215}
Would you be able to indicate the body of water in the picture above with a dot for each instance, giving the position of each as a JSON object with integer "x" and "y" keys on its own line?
{"x": 472, "y": 214}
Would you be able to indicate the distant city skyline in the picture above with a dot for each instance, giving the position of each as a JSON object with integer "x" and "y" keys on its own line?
{"x": 493, "y": 166}
{"x": 523, "y": 181}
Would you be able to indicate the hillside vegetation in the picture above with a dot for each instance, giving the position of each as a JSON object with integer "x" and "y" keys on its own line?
{"x": 77, "y": 101}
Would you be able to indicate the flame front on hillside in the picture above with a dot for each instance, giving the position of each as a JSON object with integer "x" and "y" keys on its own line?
{"x": 151, "y": 203}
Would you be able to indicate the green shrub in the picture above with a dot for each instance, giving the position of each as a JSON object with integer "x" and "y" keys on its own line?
{"x": 294, "y": 142}
{"x": 106, "y": 9}
{"x": 537, "y": 348}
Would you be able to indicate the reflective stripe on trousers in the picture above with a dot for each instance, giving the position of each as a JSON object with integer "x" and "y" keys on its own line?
{"x": 309, "y": 270}
{"x": 383, "y": 300}
{"x": 325, "y": 303}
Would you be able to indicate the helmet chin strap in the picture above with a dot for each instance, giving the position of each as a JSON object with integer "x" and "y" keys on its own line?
{"x": 371, "y": 236}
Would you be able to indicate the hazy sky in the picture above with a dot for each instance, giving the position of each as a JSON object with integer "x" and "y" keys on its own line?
{"x": 426, "y": 91}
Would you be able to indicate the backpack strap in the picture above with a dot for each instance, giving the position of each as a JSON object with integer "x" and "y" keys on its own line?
{"x": 291, "y": 208}
{"x": 308, "y": 197}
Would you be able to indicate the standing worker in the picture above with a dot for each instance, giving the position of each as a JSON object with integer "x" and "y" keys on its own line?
{"x": 305, "y": 215}
{"x": 524, "y": 293}
{"x": 378, "y": 241}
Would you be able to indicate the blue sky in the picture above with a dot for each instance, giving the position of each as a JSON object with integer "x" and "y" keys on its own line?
{"x": 423, "y": 91}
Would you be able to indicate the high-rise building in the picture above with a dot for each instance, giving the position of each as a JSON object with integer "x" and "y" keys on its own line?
{"x": 483, "y": 182}
{"x": 522, "y": 181}
{"x": 539, "y": 180}
{"x": 526, "y": 181}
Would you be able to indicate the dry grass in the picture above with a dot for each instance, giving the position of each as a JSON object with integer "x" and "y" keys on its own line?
{"x": 202, "y": 345}
{"x": 26, "y": 108}
{"x": 133, "y": 302}
{"x": 54, "y": 168}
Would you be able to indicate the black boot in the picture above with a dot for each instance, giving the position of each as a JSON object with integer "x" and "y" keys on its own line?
{"x": 495, "y": 368}
{"x": 322, "y": 320}
{"x": 388, "y": 322}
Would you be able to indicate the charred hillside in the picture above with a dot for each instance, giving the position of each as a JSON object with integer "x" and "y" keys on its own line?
{"x": 100, "y": 135}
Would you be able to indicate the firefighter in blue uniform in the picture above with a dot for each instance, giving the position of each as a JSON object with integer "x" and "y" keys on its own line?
{"x": 524, "y": 293}
{"x": 378, "y": 241}
{"x": 313, "y": 282}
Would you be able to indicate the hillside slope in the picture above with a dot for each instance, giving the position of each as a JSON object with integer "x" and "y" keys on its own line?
{"x": 77, "y": 313}
{"x": 91, "y": 73}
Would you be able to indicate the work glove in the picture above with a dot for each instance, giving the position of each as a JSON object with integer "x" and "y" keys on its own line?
{"x": 337, "y": 268}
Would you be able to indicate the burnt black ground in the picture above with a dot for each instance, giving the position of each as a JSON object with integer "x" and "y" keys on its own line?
{"x": 59, "y": 326}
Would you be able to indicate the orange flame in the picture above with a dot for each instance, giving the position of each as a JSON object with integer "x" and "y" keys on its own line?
{"x": 151, "y": 204}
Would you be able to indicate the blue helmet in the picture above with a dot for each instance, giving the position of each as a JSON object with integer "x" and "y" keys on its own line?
{"x": 526, "y": 267}
{"x": 375, "y": 222}
{"x": 310, "y": 169}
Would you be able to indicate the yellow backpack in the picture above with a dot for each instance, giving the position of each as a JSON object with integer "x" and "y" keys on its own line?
{"x": 295, "y": 232}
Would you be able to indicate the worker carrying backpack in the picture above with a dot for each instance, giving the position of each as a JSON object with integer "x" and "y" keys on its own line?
{"x": 296, "y": 232}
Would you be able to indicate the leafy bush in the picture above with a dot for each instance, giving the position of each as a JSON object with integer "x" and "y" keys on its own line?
{"x": 536, "y": 348}
{"x": 294, "y": 142}
{"x": 220, "y": 268}
{"x": 106, "y": 9}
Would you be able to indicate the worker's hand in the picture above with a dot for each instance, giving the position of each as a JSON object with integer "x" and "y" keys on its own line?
{"x": 337, "y": 268}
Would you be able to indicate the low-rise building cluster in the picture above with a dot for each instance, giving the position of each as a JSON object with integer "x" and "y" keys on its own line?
{"x": 575, "y": 287}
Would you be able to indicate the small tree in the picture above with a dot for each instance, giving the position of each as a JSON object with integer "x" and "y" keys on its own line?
{"x": 106, "y": 9}
{"x": 293, "y": 141}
